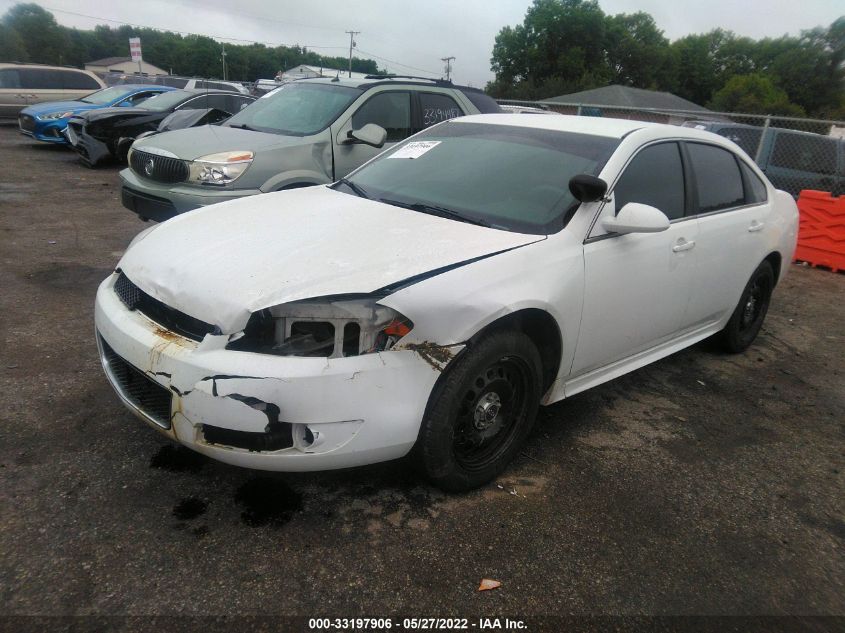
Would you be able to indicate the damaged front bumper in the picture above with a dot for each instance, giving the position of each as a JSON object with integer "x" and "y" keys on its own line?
{"x": 263, "y": 411}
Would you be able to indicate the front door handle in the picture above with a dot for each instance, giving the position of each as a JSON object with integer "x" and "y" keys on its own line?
{"x": 683, "y": 245}
{"x": 755, "y": 226}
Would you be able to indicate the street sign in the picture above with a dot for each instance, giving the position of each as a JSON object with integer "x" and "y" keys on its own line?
{"x": 135, "y": 48}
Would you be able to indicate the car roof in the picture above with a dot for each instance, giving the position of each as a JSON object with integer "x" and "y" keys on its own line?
{"x": 381, "y": 80}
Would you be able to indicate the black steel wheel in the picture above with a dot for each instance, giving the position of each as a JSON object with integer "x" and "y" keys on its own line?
{"x": 750, "y": 312}
{"x": 481, "y": 412}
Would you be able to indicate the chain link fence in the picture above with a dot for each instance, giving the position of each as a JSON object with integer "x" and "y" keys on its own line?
{"x": 794, "y": 153}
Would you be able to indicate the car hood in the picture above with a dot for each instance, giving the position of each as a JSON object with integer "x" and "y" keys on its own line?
{"x": 191, "y": 143}
{"x": 224, "y": 262}
{"x": 40, "y": 109}
{"x": 105, "y": 113}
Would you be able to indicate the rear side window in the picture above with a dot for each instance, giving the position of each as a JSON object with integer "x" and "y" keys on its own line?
{"x": 437, "y": 108}
{"x": 484, "y": 103}
{"x": 390, "y": 110}
{"x": 755, "y": 190}
{"x": 717, "y": 178}
{"x": 9, "y": 78}
{"x": 78, "y": 81}
{"x": 804, "y": 153}
{"x": 655, "y": 177}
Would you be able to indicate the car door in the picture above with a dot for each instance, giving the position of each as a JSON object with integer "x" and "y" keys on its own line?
{"x": 390, "y": 109}
{"x": 637, "y": 286}
{"x": 731, "y": 204}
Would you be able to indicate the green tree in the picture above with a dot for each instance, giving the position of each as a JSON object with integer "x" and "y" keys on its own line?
{"x": 45, "y": 41}
{"x": 560, "y": 45}
{"x": 755, "y": 94}
{"x": 11, "y": 45}
{"x": 637, "y": 52}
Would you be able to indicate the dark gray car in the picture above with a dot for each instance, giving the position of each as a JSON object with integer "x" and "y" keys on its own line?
{"x": 307, "y": 132}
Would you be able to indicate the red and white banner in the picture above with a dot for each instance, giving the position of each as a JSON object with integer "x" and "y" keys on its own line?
{"x": 135, "y": 48}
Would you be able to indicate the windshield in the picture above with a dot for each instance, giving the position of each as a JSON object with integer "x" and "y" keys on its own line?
{"x": 107, "y": 95}
{"x": 508, "y": 177}
{"x": 297, "y": 109}
{"x": 166, "y": 100}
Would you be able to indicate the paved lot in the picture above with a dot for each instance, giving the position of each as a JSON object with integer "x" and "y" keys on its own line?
{"x": 703, "y": 484}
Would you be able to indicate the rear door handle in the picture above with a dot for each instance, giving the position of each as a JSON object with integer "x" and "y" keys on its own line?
{"x": 755, "y": 226}
{"x": 683, "y": 245}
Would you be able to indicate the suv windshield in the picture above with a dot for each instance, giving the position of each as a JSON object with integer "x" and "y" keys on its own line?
{"x": 166, "y": 100}
{"x": 298, "y": 109}
{"x": 107, "y": 95}
{"x": 508, "y": 177}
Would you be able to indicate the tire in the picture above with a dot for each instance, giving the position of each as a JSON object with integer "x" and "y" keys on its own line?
{"x": 748, "y": 317}
{"x": 480, "y": 412}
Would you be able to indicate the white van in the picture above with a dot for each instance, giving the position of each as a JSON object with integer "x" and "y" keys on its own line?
{"x": 23, "y": 85}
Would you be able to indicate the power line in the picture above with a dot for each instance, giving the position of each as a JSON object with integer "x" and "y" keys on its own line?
{"x": 384, "y": 59}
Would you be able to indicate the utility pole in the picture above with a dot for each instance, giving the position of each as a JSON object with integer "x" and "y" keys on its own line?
{"x": 352, "y": 35}
{"x": 448, "y": 68}
{"x": 223, "y": 46}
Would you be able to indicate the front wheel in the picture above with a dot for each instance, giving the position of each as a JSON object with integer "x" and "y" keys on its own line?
{"x": 747, "y": 318}
{"x": 480, "y": 416}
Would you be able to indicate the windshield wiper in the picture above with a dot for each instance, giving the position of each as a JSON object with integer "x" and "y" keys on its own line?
{"x": 243, "y": 126}
{"x": 355, "y": 188}
{"x": 433, "y": 209}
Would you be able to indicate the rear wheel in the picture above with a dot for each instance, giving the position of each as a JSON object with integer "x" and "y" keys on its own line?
{"x": 480, "y": 416}
{"x": 748, "y": 317}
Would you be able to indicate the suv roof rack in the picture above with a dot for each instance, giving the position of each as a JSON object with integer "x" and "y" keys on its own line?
{"x": 445, "y": 82}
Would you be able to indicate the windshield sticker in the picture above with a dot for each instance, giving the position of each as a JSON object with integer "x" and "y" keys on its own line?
{"x": 415, "y": 149}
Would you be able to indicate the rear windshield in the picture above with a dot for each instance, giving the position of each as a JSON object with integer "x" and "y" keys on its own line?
{"x": 509, "y": 177}
{"x": 296, "y": 109}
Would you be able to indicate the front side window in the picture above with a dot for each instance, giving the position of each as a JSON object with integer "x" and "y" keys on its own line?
{"x": 509, "y": 177}
{"x": 717, "y": 177}
{"x": 654, "y": 177}
{"x": 297, "y": 109}
{"x": 390, "y": 110}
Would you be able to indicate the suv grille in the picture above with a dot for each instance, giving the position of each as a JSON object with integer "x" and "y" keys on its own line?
{"x": 136, "y": 299}
{"x": 145, "y": 394}
{"x": 160, "y": 168}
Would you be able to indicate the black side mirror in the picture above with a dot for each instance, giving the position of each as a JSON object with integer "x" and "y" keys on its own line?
{"x": 587, "y": 188}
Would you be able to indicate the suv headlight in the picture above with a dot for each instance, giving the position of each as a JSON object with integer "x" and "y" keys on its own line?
{"x": 219, "y": 169}
{"x": 323, "y": 328}
{"x": 55, "y": 115}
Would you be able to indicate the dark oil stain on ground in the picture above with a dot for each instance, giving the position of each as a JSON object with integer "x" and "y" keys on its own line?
{"x": 76, "y": 277}
{"x": 189, "y": 508}
{"x": 177, "y": 459}
{"x": 267, "y": 501}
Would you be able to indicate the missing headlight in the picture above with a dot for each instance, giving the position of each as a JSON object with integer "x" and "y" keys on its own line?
{"x": 323, "y": 328}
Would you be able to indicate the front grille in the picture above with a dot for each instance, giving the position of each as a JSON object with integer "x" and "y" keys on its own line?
{"x": 169, "y": 318}
{"x": 149, "y": 397}
{"x": 160, "y": 168}
{"x": 26, "y": 122}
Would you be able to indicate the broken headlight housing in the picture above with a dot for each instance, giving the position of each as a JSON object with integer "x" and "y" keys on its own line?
{"x": 326, "y": 328}
{"x": 219, "y": 169}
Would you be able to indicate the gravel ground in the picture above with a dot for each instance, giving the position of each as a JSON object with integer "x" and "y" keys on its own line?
{"x": 703, "y": 484}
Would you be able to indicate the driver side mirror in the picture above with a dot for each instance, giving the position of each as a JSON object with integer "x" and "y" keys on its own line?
{"x": 586, "y": 188}
{"x": 637, "y": 218}
{"x": 370, "y": 134}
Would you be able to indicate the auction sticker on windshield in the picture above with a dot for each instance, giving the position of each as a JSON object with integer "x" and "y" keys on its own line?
{"x": 415, "y": 149}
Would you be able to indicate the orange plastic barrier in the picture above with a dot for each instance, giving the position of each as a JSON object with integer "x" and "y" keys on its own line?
{"x": 821, "y": 230}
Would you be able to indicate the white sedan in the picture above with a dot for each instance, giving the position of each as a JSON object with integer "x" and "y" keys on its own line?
{"x": 434, "y": 299}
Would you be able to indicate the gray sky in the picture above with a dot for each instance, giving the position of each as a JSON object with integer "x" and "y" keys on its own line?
{"x": 415, "y": 35}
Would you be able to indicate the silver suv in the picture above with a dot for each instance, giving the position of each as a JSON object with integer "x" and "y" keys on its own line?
{"x": 308, "y": 132}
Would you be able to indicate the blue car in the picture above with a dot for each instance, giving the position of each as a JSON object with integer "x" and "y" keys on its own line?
{"x": 47, "y": 121}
